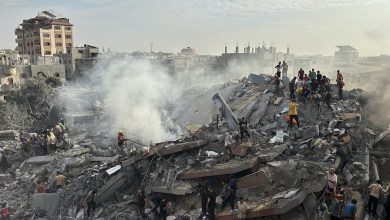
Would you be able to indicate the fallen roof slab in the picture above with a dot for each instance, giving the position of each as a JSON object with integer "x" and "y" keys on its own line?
{"x": 259, "y": 178}
{"x": 277, "y": 205}
{"x": 174, "y": 148}
{"x": 40, "y": 160}
{"x": 230, "y": 167}
{"x": 103, "y": 159}
{"x": 175, "y": 189}
{"x": 269, "y": 154}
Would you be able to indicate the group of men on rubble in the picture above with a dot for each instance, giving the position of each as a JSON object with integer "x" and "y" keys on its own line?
{"x": 48, "y": 140}
{"x": 313, "y": 88}
{"x": 161, "y": 204}
{"x": 343, "y": 207}
{"x": 208, "y": 194}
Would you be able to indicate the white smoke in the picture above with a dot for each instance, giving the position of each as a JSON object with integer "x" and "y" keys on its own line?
{"x": 146, "y": 101}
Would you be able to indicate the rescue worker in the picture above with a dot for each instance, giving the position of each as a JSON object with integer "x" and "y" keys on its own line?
{"x": 293, "y": 112}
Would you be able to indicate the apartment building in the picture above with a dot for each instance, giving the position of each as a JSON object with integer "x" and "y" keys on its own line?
{"x": 44, "y": 35}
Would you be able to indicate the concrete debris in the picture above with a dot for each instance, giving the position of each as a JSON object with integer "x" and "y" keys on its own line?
{"x": 280, "y": 171}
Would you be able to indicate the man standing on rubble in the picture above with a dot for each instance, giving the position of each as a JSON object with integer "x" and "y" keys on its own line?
{"x": 203, "y": 195}
{"x": 284, "y": 68}
{"x": 244, "y": 128}
{"x": 4, "y": 165}
{"x": 243, "y": 209}
{"x": 292, "y": 88}
{"x": 328, "y": 99}
{"x": 375, "y": 192}
{"x": 278, "y": 68}
{"x": 301, "y": 74}
{"x": 229, "y": 142}
{"x": 211, "y": 202}
{"x": 340, "y": 84}
{"x": 293, "y": 112}
{"x": 91, "y": 201}
{"x": 141, "y": 198}
{"x": 331, "y": 178}
{"x": 312, "y": 74}
{"x": 277, "y": 85}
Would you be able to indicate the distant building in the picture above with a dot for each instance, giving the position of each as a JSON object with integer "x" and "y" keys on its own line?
{"x": 187, "y": 52}
{"x": 45, "y": 35}
{"x": 346, "y": 55}
{"x": 80, "y": 59}
{"x": 257, "y": 59}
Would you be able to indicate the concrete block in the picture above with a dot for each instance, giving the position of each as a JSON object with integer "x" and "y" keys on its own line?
{"x": 49, "y": 202}
{"x": 40, "y": 160}
{"x": 310, "y": 132}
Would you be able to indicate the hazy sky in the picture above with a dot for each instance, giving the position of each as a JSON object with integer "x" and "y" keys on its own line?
{"x": 308, "y": 26}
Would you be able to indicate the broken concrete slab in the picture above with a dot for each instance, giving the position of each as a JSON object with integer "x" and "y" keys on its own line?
{"x": 277, "y": 206}
{"x": 176, "y": 189}
{"x": 270, "y": 153}
{"x": 259, "y": 178}
{"x": 230, "y": 167}
{"x": 241, "y": 149}
{"x": 49, "y": 202}
{"x": 278, "y": 100}
{"x": 259, "y": 109}
{"x": 310, "y": 132}
{"x": 351, "y": 116}
{"x": 103, "y": 159}
{"x": 228, "y": 113}
{"x": 38, "y": 160}
{"x": 164, "y": 150}
{"x": 259, "y": 79}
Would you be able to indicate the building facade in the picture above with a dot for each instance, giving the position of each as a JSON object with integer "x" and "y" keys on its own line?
{"x": 45, "y": 35}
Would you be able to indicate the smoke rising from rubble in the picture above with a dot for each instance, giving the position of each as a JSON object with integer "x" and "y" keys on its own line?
{"x": 377, "y": 98}
{"x": 146, "y": 101}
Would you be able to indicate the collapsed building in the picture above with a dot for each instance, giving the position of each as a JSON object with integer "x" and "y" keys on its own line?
{"x": 279, "y": 170}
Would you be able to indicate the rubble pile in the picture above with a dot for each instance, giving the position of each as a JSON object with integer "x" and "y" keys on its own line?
{"x": 279, "y": 170}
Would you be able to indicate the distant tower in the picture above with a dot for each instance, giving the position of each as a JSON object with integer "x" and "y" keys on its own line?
{"x": 225, "y": 48}
{"x": 288, "y": 48}
{"x": 237, "y": 48}
{"x": 151, "y": 47}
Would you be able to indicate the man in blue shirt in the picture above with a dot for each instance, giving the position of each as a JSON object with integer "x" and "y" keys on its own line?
{"x": 349, "y": 210}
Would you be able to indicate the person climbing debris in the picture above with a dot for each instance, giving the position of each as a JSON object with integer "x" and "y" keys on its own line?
{"x": 293, "y": 112}
{"x": 278, "y": 69}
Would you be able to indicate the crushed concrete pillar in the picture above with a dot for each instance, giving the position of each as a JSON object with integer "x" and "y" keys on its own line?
{"x": 49, "y": 202}
{"x": 228, "y": 113}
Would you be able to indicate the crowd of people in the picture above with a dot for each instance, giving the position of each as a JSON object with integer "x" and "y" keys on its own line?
{"x": 313, "y": 88}
{"x": 48, "y": 141}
